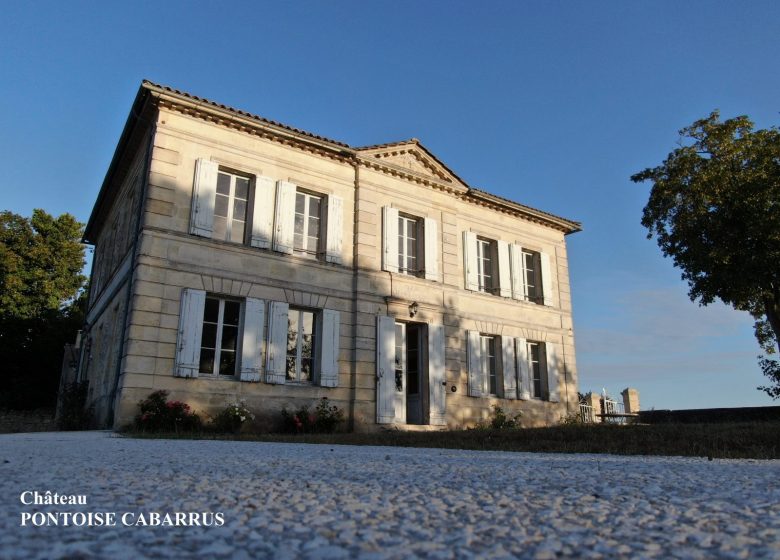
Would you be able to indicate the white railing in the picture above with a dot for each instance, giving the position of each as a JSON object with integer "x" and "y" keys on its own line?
{"x": 587, "y": 415}
{"x": 614, "y": 412}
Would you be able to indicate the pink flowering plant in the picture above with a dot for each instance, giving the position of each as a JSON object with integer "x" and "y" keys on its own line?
{"x": 232, "y": 418}
{"x": 158, "y": 414}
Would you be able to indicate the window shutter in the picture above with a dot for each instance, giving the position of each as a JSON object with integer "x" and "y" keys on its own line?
{"x": 436, "y": 375}
{"x": 508, "y": 363}
{"x": 284, "y": 233}
{"x": 553, "y": 367}
{"x": 193, "y": 303}
{"x": 276, "y": 360}
{"x": 252, "y": 339}
{"x": 524, "y": 373}
{"x": 385, "y": 370}
{"x": 504, "y": 274}
{"x": 329, "y": 349}
{"x": 431, "y": 258}
{"x": 204, "y": 195}
{"x": 516, "y": 266}
{"x": 470, "y": 260}
{"x": 335, "y": 233}
{"x": 263, "y": 213}
{"x": 547, "y": 290}
{"x": 389, "y": 239}
{"x": 474, "y": 357}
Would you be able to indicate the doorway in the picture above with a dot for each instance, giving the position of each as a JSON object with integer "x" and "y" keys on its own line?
{"x": 411, "y": 377}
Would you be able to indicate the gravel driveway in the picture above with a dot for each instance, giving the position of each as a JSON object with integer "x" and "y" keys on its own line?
{"x": 320, "y": 501}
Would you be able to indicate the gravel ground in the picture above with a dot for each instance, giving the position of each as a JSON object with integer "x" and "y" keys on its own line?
{"x": 327, "y": 502}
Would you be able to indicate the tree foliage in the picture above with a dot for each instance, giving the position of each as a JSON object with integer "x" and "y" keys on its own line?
{"x": 714, "y": 208}
{"x": 41, "y": 303}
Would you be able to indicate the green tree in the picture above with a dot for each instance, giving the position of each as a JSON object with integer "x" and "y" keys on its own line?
{"x": 714, "y": 208}
{"x": 41, "y": 303}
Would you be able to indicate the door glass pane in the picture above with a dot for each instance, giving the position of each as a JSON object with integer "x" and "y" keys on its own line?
{"x": 227, "y": 363}
{"x": 292, "y": 343}
{"x": 399, "y": 357}
{"x": 206, "y": 361}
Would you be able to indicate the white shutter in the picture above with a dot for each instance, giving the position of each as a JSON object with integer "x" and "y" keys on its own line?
{"x": 470, "y": 261}
{"x": 204, "y": 195}
{"x": 504, "y": 273}
{"x": 508, "y": 363}
{"x": 385, "y": 369}
{"x": 436, "y": 377}
{"x": 389, "y": 239}
{"x": 553, "y": 367}
{"x": 547, "y": 290}
{"x": 284, "y": 232}
{"x": 335, "y": 234}
{"x": 193, "y": 303}
{"x": 524, "y": 373}
{"x": 276, "y": 354}
{"x": 252, "y": 339}
{"x": 263, "y": 213}
{"x": 431, "y": 257}
{"x": 329, "y": 349}
{"x": 474, "y": 357}
{"x": 518, "y": 274}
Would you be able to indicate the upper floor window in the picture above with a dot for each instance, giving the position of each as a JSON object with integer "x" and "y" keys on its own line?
{"x": 532, "y": 276}
{"x": 410, "y": 244}
{"x": 308, "y": 221}
{"x": 267, "y": 214}
{"x": 230, "y": 207}
{"x": 507, "y": 269}
{"x": 409, "y": 239}
{"x": 485, "y": 265}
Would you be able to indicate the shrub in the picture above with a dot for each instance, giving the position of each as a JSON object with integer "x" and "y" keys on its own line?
{"x": 324, "y": 420}
{"x": 501, "y": 421}
{"x": 571, "y": 419}
{"x": 74, "y": 414}
{"x": 158, "y": 414}
{"x": 232, "y": 418}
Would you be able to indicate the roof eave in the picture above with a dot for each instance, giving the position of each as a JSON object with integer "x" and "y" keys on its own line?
{"x": 563, "y": 224}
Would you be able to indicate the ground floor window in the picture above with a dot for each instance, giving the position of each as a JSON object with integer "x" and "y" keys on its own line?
{"x": 488, "y": 344}
{"x": 301, "y": 340}
{"x": 219, "y": 340}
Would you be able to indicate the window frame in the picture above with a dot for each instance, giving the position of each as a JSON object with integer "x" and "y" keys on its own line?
{"x": 314, "y": 352}
{"x": 419, "y": 245}
{"x": 483, "y": 244}
{"x": 322, "y": 226}
{"x": 535, "y": 272}
{"x": 489, "y": 363}
{"x": 541, "y": 363}
{"x": 233, "y": 174}
{"x": 215, "y": 373}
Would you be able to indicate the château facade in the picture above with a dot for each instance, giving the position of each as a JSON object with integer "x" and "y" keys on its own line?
{"x": 237, "y": 258}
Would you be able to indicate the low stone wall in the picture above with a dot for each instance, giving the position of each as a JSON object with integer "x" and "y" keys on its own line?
{"x": 712, "y": 415}
{"x": 15, "y": 421}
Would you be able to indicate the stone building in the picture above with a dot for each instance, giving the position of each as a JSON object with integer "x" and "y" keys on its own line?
{"x": 240, "y": 258}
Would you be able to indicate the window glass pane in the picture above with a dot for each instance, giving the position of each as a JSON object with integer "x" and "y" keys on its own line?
{"x": 242, "y": 187}
{"x": 232, "y": 312}
{"x": 206, "y": 361}
{"x": 315, "y": 204}
{"x": 223, "y": 183}
{"x": 300, "y": 203}
{"x": 220, "y": 228}
{"x": 239, "y": 210}
{"x": 209, "y": 338}
{"x": 211, "y": 311}
{"x": 229, "y": 337}
{"x": 299, "y": 220}
{"x": 399, "y": 357}
{"x": 227, "y": 363}
{"x": 221, "y": 205}
{"x": 292, "y": 332}
{"x": 312, "y": 244}
{"x": 237, "y": 231}
{"x": 314, "y": 227}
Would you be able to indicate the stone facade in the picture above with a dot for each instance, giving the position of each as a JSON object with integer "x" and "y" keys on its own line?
{"x": 471, "y": 330}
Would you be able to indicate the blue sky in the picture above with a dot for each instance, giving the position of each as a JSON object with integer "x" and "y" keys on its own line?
{"x": 553, "y": 104}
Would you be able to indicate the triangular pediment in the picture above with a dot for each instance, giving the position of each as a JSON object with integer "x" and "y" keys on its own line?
{"x": 413, "y": 157}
